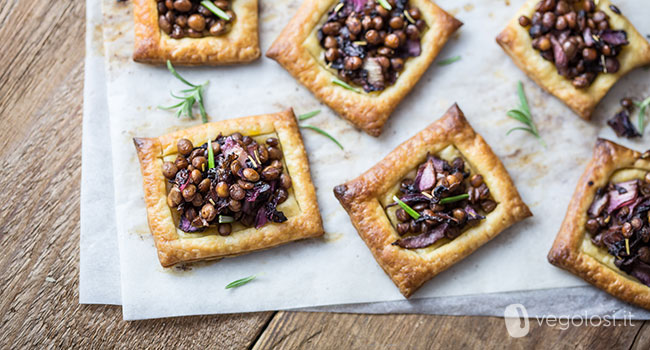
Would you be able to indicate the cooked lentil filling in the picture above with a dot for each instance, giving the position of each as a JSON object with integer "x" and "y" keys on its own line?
{"x": 368, "y": 44}
{"x": 435, "y": 183}
{"x": 188, "y": 18}
{"x": 246, "y": 184}
{"x": 577, "y": 38}
{"x": 618, "y": 222}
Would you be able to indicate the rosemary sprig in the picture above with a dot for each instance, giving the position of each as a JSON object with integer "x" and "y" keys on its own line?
{"x": 308, "y": 115}
{"x": 414, "y": 214}
{"x": 210, "y": 155}
{"x": 240, "y": 282}
{"x": 453, "y": 199}
{"x": 641, "y": 119}
{"x": 322, "y": 132}
{"x": 385, "y": 5}
{"x": 449, "y": 60}
{"x": 523, "y": 115}
{"x": 214, "y": 9}
{"x": 345, "y": 85}
{"x": 191, "y": 96}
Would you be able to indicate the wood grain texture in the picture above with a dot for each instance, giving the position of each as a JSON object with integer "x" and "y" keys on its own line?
{"x": 41, "y": 80}
{"x": 295, "y": 330}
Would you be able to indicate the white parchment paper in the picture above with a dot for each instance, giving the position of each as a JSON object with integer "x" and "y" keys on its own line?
{"x": 339, "y": 269}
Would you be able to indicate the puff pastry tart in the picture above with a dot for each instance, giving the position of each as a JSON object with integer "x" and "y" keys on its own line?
{"x": 432, "y": 201}
{"x": 195, "y": 32}
{"x": 361, "y": 57}
{"x": 227, "y": 188}
{"x": 605, "y": 235}
{"x": 574, "y": 49}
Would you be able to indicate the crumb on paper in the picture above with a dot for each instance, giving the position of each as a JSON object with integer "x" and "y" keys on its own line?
{"x": 50, "y": 279}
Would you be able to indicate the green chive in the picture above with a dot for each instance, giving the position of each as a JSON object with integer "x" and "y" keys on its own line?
{"x": 385, "y": 5}
{"x": 641, "y": 119}
{"x": 240, "y": 282}
{"x": 345, "y": 85}
{"x": 449, "y": 60}
{"x": 322, "y": 132}
{"x": 225, "y": 219}
{"x": 214, "y": 9}
{"x": 414, "y": 214}
{"x": 408, "y": 17}
{"x": 453, "y": 199}
{"x": 308, "y": 115}
{"x": 210, "y": 155}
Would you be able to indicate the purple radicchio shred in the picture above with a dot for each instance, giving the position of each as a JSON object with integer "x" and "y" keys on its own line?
{"x": 358, "y": 4}
{"x": 423, "y": 240}
{"x": 561, "y": 60}
{"x": 413, "y": 48}
{"x": 622, "y": 125}
{"x": 625, "y": 194}
{"x": 426, "y": 178}
{"x": 588, "y": 37}
{"x": 231, "y": 146}
{"x": 598, "y": 205}
{"x": 472, "y": 215}
{"x": 440, "y": 165}
{"x": 641, "y": 271}
{"x": 411, "y": 198}
{"x": 614, "y": 37}
{"x": 186, "y": 226}
{"x": 260, "y": 218}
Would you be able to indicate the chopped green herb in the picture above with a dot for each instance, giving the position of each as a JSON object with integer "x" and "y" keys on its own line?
{"x": 322, "y": 132}
{"x": 449, "y": 60}
{"x": 240, "y": 282}
{"x": 225, "y": 219}
{"x": 523, "y": 115}
{"x": 414, "y": 214}
{"x": 210, "y": 155}
{"x": 453, "y": 199}
{"x": 192, "y": 95}
{"x": 345, "y": 85}
{"x": 641, "y": 119}
{"x": 385, "y": 5}
{"x": 214, "y": 9}
{"x": 408, "y": 17}
{"x": 308, "y": 115}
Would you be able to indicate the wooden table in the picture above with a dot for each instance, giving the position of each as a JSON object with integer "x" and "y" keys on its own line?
{"x": 42, "y": 50}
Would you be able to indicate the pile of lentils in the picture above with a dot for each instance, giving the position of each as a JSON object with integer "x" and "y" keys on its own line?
{"x": 577, "y": 38}
{"x": 368, "y": 44}
{"x": 246, "y": 184}
{"x": 188, "y": 18}
{"x": 619, "y": 222}
{"x": 436, "y": 180}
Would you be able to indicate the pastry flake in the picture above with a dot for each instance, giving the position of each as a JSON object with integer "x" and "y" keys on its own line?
{"x": 179, "y": 240}
{"x": 299, "y": 51}
{"x": 408, "y": 261}
{"x": 234, "y": 41}
{"x": 586, "y": 239}
{"x": 582, "y": 92}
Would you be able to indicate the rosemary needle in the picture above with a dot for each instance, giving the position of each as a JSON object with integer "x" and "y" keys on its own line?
{"x": 523, "y": 115}
{"x": 240, "y": 282}
{"x": 322, "y": 132}
{"x": 190, "y": 96}
{"x": 449, "y": 60}
{"x": 308, "y": 115}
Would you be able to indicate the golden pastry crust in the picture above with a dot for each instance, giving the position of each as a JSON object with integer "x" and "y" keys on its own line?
{"x": 172, "y": 248}
{"x": 516, "y": 42}
{"x": 567, "y": 251}
{"x": 366, "y": 111}
{"x": 239, "y": 45}
{"x": 408, "y": 269}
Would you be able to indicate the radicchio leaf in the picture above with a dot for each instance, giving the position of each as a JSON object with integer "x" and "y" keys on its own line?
{"x": 423, "y": 240}
{"x": 410, "y": 199}
{"x": 588, "y": 38}
{"x": 413, "y": 48}
{"x": 622, "y": 125}
{"x": 598, "y": 205}
{"x": 231, "y": 146}
{"x": 375, "y": 76}
{"x": 358, "y": 4}
{"x": 426, "y": 178}
{"x": 560, "y": 57}
{"x": 614, "y": 37}
{"x": 618, "y": 200}
{"x": 472, "y": 215}
{"x": 186, "y": 226}
{"x": 641, "y": 271}
{"x": 260, "y": 218}
{"x": 440, "y": 165}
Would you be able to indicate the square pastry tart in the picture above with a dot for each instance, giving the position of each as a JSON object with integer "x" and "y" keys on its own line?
{"x": 574, "y": 49}
{"x": 432, "y": 201}
{"x": 227, "y": 188}
{"x": 195, "y": 32}
{"x": 359, "y": 57}
{"x": 605, "y": 234}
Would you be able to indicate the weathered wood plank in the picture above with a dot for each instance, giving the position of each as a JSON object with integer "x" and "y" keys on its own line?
{"x": 296, "y": 330}
{"x": 41, "y": 80}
